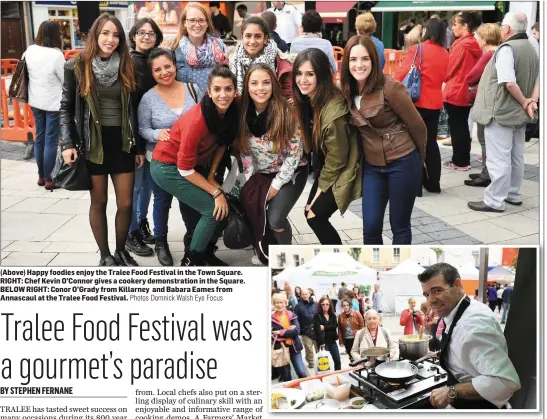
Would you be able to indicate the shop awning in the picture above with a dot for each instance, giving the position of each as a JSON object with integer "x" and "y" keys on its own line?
{"x": 431, "y": 6}
{"x": 334, "y": 11}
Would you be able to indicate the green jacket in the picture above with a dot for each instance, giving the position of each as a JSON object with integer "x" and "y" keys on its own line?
{"x": 343, "y": 167}
{"x": 94, "y": 151}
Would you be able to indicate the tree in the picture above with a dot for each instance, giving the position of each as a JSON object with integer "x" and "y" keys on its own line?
{"x": 355, "y": 252}
{"x": 439, "y": 252}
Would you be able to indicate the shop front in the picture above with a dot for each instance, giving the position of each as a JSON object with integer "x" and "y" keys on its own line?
{"x": 66, "y": 14}
{"x": 395, "y": 13}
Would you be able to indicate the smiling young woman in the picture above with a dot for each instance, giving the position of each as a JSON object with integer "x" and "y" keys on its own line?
{"x": 393, "y": 136}
{"x": 271, "y": 150}
{"x": 98, "y": 113}
{"x": 322, "y": 113}
{"x": 257, "y": 47}
{"x": 143, "y": 37}
{"x": 196, "y": 48}
{"x": 187, "y": 156}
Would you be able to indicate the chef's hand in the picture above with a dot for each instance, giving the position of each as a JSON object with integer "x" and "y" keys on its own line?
{"x": 439, "y": 398}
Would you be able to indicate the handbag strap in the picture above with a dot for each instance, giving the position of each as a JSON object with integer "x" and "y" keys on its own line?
{"x": 418, "y": 48}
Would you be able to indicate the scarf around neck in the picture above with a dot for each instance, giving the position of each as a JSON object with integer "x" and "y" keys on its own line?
{"x": 106, "y": 71}
{"x": 225, "y": 129}
{"x": 242, "y": 61}
{"x": 205, "y": 56}
{"x": 258, "y": 124}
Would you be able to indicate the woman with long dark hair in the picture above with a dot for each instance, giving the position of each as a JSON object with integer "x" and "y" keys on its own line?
{"x": 326, "y": 329}
{"x": 257, "y": 47}
{"x": 433, "y": 59}
{"x": 393, "y": 136}
{"x": 322, "y": 113}
{"x": 464, "y": 55}
{"x": 143, "y": 37}
{"x": 183, "y": 164}
{"x": 97, "y": 111}
{"x": 271, "y": 148}
{"x": 45, "y": 64}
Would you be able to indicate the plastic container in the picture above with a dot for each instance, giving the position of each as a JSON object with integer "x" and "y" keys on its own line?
{"x": 313, "y": 389}
{"x": 338, "y": 387}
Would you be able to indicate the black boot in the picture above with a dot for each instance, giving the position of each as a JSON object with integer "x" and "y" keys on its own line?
{"x": 124, "y": 258}
{"x": 163, "y": 252}
{"x": 135, "y": 244}
{"x": 209, "y": 256}
{"x": 146, "y": 234}
{"x": 192, "y": 258}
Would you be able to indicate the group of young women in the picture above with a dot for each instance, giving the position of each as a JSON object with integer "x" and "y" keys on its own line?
{"x": 162, "y": 123}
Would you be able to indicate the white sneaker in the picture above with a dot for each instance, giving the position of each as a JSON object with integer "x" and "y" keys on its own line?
{"x": 256, "y": 261}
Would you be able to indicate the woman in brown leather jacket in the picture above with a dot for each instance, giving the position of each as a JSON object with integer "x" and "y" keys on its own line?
{"x": 393, "y": 136}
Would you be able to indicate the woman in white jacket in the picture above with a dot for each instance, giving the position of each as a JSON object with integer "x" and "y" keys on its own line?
{"x": 373, "y": 335}
{"x": 45, "y": 64}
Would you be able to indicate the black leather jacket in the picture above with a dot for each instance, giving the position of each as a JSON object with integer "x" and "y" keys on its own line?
{"x": 75, "y": 114}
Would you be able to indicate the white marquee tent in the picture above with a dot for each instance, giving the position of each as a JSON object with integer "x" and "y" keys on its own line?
{"x": 400, "y": 283}
{"x": 468, "y": 272}
{"x": 325, "y": 269}
{"x": 501, "y": 275}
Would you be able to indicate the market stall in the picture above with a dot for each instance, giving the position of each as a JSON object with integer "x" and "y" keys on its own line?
{"x": 325, "y": 269}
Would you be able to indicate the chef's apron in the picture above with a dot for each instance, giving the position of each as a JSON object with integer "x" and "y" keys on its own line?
{"x": 443, "y": 358}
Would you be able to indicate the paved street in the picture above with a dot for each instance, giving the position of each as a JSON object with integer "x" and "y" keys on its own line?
{"x": 43, "y": 228}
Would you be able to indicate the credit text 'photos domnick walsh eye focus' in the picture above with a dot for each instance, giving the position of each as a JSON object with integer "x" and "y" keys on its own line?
{"x": 200, "y": 133}
{"x": 375, "y": 328}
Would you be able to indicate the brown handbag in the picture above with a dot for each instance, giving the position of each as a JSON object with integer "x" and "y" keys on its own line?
{"x": 281, "y": 356}
{"x": 18, "y": 88}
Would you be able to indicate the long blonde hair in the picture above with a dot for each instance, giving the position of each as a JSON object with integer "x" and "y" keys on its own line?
{"x": 182, "y": 29}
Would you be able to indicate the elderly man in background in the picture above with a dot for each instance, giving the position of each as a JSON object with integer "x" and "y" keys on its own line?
{"x": 507, "y": 99}
{"x": 473, "y": 348}
{"x": 377, "y": 297}
{"x": 305, "y": 311}
{"x": 506, "y": 301}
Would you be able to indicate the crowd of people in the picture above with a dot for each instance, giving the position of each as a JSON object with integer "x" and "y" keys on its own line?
{"x": 165, "y": 123}
{"x": 474, "y": 354}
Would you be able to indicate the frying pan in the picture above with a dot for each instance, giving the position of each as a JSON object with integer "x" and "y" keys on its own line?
{"x": 397, "y": 371}
{"x": 380, "y": 354}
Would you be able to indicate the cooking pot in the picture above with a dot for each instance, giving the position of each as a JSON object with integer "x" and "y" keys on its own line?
{"x": 413, "y": 349}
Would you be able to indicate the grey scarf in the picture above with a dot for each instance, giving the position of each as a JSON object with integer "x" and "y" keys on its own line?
{"x": 106, "y": 72}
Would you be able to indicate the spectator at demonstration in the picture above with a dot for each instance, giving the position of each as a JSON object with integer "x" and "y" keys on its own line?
{"x": 312, "y": 38}
{"x": 333, "y": 295}
{"x": 373, "y": 335}
{"x": 220, "y": 22}
{"x": 349, "y": 323}
{"x": 326, "y": 329}
{"x": 305, "y": 311}
{"x": 411, "y": 318}
{"x": 414, "y": 37}
{"x": 506, "y": 301}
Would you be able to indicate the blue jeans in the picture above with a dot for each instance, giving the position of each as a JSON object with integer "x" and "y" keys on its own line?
{"x": 142, "y": 192}
{"x": 335, "y": 353}
{"x": 506, "y": 307}
{"x": 399, "y": 183}
{"x": 47, "y": 138}
{"x": 298, "y": 364}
